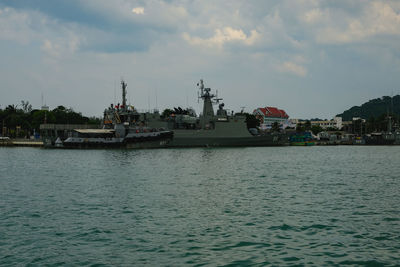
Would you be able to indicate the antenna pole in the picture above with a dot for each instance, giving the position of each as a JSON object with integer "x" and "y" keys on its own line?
{"x": 115, "y": 91}
{"x": 148, "y": 101}
{"x": 124, "y": 85}
{"x": 156, "y": 100}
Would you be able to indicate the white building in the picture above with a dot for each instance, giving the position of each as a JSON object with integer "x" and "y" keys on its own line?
{"x": 336, "y": 122}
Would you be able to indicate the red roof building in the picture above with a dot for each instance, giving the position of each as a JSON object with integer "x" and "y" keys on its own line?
{"x": 269, "y": 115}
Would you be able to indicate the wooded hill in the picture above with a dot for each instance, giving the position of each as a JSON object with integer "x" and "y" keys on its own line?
{"x": 374, "y": 108}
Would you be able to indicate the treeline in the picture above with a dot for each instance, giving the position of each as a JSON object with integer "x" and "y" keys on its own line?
{"x": 22, "y": 121}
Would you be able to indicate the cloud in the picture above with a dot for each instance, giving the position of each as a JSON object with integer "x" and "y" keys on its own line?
{"x": 313, "y": 16}
{"x": 50, "y": 48}
{"x": 100, "y": 25}
{"x": 222, "y": 36}
{"x": 16, "y": 26}
{"x": 293, "y": 68}
{"x": 138, "y": 10}
{"x": 377, "y": 18}
{"x": 60, "y": 48}
{"x": 245, "y": 44}
{"x": 30, "y": 28}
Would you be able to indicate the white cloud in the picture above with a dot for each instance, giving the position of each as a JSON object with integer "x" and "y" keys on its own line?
{"x": 222, "y": 36}
{"x": 275, "y": 33}
{"x": 15, "y": 26}
{"x": 293, "y": 68}
{"x": 28, "y": 27}
{"x": 313, "y": 16}
{"x": 377, "y": 18}
{"x": 138, "y": 10}
{"x": 50, "y": 48}
{"x": 58, "y": 48}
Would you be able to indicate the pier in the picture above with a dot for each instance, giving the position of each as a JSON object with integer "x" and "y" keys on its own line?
{"x": 21, "y": 142}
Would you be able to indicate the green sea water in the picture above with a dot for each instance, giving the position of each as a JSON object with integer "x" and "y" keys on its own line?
{"x": 280, "y": 206}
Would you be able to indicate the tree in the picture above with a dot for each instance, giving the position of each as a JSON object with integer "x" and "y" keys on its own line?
{"x": 358, "y": 127}
{"x": 166, "y": 113}
{"x": 38, "y": 117}
{"x": 316, "y": 129}
{"x": 11, "y": 108}
{"x": 275, "y": 127}
{"x": 307, "y": 125}
{"x": 332, "y": 129}
{"x": 94, "y": 121}
{"x": 299, "y": 127}
{"x": 26, "y": 107}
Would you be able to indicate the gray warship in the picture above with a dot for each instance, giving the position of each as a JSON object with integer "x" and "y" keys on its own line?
{"x": 212, "y": 129}
{"x": 123, "y": 127}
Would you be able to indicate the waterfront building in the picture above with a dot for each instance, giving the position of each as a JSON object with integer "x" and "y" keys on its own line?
{"x": 336, "y": 122}
{"x": 269, "y": 115}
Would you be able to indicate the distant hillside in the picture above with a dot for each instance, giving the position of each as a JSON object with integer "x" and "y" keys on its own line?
{"x": 373, "y": 108}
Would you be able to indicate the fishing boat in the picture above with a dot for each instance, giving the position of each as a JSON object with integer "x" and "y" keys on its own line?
{"x": 302, "y": 139}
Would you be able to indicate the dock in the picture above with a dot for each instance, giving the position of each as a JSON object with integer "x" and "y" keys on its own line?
{"x": 21, "y": 143}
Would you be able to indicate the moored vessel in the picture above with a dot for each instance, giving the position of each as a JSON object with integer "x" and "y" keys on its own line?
{"x": 302, "y": 139}
{"x": 122, "y": 128}
{"x": 212, "y": 129}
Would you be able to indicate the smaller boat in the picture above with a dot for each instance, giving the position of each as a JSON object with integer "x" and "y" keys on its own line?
{"x": 302, "y": 139}
{"x": 140, "y": 137}
{"x": 122, "y": 128}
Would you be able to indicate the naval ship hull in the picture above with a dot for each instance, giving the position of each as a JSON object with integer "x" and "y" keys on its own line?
{"x": 135, "y": 145}
{"x": 197, "y": 139}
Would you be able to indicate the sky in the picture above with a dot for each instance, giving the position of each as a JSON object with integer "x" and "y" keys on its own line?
{"x": 311, "y": 58}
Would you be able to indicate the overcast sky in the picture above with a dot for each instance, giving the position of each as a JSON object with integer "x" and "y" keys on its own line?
{"x": 311, "y": 58}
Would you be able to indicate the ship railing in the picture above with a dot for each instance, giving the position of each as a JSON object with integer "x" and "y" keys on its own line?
{"x": 155, "y": 110}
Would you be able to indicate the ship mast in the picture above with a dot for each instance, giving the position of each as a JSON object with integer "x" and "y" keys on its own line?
{"x": 389, "y": 117}
{"x": 208, "y": 110}
{"x": 124, "y": 85}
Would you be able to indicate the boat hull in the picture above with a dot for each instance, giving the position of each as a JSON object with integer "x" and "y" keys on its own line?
{"x": 147, "y": 140}
{"x": 305, "y": 143}
{"x": 130, "y": 145}
{"x": 268, "y": 140}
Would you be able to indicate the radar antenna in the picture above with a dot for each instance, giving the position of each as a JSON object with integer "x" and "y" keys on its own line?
{"x": 216, "y": 97}
{"x": 217, "y": 100}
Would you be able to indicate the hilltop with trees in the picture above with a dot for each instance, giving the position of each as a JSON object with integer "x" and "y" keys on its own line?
{"x": 373, "y": 109}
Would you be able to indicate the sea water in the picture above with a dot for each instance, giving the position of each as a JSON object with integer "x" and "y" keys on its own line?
{"x": 282, "y": 206}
